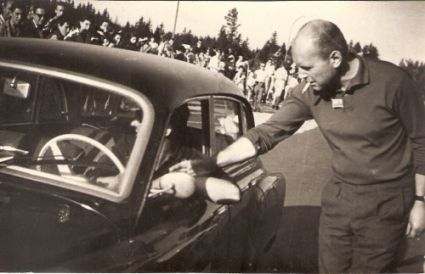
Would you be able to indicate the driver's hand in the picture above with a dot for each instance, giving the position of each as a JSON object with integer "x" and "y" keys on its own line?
{"x": 196, "y": 167}
{"x": 109, "y": 182}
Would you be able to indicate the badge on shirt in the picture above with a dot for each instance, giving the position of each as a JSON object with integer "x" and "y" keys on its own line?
{"x": 337, "y": 103}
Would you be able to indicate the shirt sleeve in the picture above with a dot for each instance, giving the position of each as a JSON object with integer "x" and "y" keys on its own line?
{"x": 411, "y": 111}
{"x": 285, "y": 122}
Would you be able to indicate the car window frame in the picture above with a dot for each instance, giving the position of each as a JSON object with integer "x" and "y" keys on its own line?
{"x": 142, "y": 137}
{"x": 243, "y": 122}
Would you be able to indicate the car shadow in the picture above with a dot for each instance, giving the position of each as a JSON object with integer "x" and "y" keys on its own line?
{"x": 295, "y": 249}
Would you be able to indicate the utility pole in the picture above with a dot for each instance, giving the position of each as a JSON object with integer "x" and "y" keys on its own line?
{"x": 175, "y": 18}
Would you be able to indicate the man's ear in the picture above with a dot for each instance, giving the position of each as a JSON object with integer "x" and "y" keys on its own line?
{"x": 335, "y": 58}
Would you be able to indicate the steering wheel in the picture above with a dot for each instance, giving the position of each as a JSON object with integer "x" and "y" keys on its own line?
{"x": 65, "y": 170}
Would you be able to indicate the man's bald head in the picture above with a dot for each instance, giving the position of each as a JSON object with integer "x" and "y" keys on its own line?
{"x": 323, "y": 36}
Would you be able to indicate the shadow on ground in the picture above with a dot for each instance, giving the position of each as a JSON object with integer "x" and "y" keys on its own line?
{"x": 296, "y": 248}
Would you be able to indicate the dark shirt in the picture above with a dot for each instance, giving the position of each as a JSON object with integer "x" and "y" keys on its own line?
{"x": 80, "y": 37}
{"x": 180, "y": 56}
{"x": 373, "y": 137}
{"x": 10, "y": 30}
{"x": 30, "y": 29}
{"x": 56, "y": 35}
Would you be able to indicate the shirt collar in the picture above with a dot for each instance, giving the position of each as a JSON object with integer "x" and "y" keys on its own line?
{"x": 361, "y": 77}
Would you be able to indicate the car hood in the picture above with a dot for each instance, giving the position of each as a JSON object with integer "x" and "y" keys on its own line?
{"x": 39, "y": 230}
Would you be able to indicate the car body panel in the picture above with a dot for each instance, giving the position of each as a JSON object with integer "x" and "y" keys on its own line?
{"x": 42, "y": 229}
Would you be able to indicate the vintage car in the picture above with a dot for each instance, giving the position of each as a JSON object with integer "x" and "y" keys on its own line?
{"x": 84, "y": 149}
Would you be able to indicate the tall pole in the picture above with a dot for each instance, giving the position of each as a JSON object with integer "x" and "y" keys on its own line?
{"x": 288, "y": 45}
{"x": 292, "y": 27}
{"x": 175, "y": 18}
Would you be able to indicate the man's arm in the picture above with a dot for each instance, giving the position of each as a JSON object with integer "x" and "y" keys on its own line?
{"x": 240, "y": 150}
{"x": 416, "y": 225}
{"x": 258, "y": 140}
{"x": 409, "y": 106}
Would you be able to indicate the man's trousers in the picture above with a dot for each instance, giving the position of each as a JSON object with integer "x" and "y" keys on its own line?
{"x": 362, "y": 227}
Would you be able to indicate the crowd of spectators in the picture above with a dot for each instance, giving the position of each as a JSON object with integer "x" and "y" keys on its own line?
{"x": 270, "y": 83}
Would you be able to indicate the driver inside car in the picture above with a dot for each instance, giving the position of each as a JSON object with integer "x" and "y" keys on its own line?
{"x": 172, "y": 152}
{"x": 175, "y": 149}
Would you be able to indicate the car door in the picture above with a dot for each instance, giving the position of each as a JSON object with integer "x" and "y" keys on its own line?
{"x": 185, "y": 234}
{"x": 254, "y": 220}
{"x": 231, "y": 120}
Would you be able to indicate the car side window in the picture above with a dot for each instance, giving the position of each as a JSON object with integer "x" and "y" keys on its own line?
{"x": 186, "y": 136}
{"x": 227, "y": 122}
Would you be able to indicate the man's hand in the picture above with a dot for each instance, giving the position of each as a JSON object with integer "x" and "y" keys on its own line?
{"x": 416, "y": 225}
{"x": 196, "y": 167}
{"x": 241, "y": 150}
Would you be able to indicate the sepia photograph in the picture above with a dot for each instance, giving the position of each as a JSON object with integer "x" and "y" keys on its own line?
{"x": 212, "y": 136}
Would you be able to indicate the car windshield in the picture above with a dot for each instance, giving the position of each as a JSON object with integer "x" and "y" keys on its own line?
{"x": 66, "y": 132}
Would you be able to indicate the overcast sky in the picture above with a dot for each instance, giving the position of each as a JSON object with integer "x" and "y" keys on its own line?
{"x": 396, "y": 28}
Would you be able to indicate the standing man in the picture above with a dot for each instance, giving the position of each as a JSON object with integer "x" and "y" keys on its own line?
{"x": 51, "y": 23}
{"x": 260, "y": 86}
{"x": 281, "y": 77}
{"x": 61, "y": 30}
{"x": 372, "y": 116}
{"x": 6, "y": 10}
{"x": 81, "y": 34}
{"x": 270, "y": 79}
{"x": 13, "y": 25}
{"x": 34, "y": 27}
{"x": 101, "y": 36}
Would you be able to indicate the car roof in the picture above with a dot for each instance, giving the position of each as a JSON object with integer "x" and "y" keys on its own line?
{"x": 167, "y": 83}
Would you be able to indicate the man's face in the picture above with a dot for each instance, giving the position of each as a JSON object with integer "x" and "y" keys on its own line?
{"x": 104, "y": 27}
{"x": 16, "y": 16}
{"x": 39, "y": 16}
{"x": 59, "y": 10}
{"x": 64, "y": 29}
{"x": 7, "y": 10}
{"x": 85, "y": 25}
{"x": 318, "y": 71}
